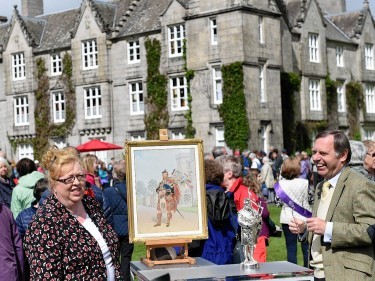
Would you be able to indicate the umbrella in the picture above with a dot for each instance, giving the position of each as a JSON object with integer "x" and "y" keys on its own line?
{"x": 97, "y": 145}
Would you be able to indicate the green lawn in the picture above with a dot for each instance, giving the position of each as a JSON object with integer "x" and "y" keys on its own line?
{"x": 276, "y": 251}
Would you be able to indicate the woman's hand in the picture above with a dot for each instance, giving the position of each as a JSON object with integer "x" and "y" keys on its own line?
{"x": 297, "y": 226}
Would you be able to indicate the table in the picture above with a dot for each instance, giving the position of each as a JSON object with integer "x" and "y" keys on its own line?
{"x": 205, "y": 270}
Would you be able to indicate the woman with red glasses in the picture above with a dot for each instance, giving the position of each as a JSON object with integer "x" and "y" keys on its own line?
{"x": 69, "y": 237}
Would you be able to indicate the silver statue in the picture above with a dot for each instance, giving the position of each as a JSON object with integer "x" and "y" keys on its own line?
{"x": 250, "y": 221}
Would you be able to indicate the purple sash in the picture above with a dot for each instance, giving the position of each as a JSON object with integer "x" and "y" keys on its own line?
{"x": 287, "y": 200}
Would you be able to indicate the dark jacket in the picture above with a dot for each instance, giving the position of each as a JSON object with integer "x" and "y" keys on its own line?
{"x": 59, "y": 247}
{"x": 11, "y": 254}
{"x": 24, "y": 218}
{"x": 116, "y": 196}
{"x": 6, "y": 190}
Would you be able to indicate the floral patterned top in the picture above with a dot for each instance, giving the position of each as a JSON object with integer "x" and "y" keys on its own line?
{"x": 58, "y": 247}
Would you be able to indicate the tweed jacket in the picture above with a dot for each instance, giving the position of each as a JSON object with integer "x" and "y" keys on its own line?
{"x": 58, "y": 247}
{"x": 350, "y": 255}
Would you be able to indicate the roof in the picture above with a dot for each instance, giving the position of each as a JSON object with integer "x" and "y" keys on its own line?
{"x": 144, "y": 18}
{"x": 335, "y": 34}
{"x": 350, "y": 23}
{"x": 57, "y": 30}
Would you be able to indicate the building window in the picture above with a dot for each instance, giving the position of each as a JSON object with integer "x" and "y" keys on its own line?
{"x": 56, "y": 64}
{"x": 217, "y": 83}
{"x": 178, "y": 93}
{"x": 369, "y": 56}
{"x": 58, "y": 104}
{"x": 138, "y": 137}
{"x": 314, "y": 91}
{"x": 370, "y": 98}
{"x": 369, "y": 134}
{"x": 262, "y": 84}
{"x": 314, "y": 47}
{"x": 213, "y": 25}
{"x": 265, "y": 131}
{"x": 21, "y": 111}
{"x": 178, "y": 136}
{"x": 93, "y": 103}
{"x": 25, "y": 151}
{"x": 136, "y": 98}
{"x": 341, "y": 100}
{"x": 18, "y": 66}
{"x": 219, "y": 136}
{"x": 176, "y": 36}
{"x": 89, "y": 54}
{"x": 340, "y": 56}
{"x": 260, "y": 30}
{"x": 134, "y": 52}
{"x": 59, "y": 143}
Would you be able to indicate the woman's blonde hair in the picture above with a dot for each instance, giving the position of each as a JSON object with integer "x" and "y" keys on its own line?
{"x": 88, "y": 161}
{"x": 54, "y": 159}
{"x": 251, "y": 181}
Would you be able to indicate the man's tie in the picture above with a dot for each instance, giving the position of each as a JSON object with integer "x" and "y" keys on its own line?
{"x": 325, "y": 189}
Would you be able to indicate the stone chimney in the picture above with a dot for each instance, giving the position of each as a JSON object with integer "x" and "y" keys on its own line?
{"x": 32, "y": 8}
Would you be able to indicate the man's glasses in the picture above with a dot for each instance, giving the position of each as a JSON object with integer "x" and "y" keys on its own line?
{"x": 70, "y": 180}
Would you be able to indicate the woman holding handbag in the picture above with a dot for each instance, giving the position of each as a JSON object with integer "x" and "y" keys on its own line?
{"x": 293, "y": 192}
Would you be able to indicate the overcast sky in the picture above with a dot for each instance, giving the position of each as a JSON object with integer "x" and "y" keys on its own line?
{"x": 51, "y": 6}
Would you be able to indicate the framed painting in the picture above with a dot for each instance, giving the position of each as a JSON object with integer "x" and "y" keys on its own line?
{"x": 166, "y": 190}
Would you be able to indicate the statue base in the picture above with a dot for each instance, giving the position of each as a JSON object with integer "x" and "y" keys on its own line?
{"x": 249, "y": 265}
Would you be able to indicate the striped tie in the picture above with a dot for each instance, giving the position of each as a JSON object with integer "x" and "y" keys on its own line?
{"x": 325, "y": 189}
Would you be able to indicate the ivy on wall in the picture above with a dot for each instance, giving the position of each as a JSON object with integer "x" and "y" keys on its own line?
{"x": 354, "y": 102}
{"x": 44, "y": 127}
{"x": 233, "y": 108}
{"x": 42, "y": 110}
{"x": 189, "y": 74}
{"x": 63, "y": 129}
{"x": 156, "y": 115}
{"x": 290, "y": 84}
{"x": 332, "y": 110}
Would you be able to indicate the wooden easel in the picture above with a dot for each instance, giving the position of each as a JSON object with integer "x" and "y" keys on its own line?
{"x": 162, "y": 243}
{"x": 181, "y": 257}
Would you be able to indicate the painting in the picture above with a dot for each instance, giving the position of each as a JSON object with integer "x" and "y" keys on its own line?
{"x": 166, "y": 190}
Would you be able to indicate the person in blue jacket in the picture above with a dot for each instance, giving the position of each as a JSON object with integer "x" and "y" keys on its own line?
{"x": 116, "y": 198}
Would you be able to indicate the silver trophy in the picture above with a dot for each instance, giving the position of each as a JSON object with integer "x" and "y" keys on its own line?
{"x": 250, "y": 221}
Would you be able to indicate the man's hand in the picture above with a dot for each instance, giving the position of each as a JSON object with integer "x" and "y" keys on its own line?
{"x": 297, "y": 226}
{"x": 316, "y": 226}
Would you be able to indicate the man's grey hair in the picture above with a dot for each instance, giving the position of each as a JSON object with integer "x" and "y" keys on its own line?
{"x": 232, "y": 163}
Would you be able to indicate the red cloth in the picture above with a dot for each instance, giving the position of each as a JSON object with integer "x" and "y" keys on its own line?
{"x": 240, "y": 192}
{"x": 260, "y": 251}
{"x": 90, "y": 192}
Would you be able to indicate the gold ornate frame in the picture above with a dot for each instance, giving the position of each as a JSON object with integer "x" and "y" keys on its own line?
{"x": 183, "y": 160}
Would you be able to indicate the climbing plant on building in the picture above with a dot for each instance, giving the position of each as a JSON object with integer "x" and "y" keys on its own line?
{"x": 189, "y": 74}
{"x": 233, "y": 108}
{"x": 332, "y": 108}
{"x": 290, "y": 85}
{"x": 354, "y": 103}
{"x": 156, "y": 102}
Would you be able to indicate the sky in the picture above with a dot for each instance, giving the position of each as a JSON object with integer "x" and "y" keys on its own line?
{"x": 51, "y": 6}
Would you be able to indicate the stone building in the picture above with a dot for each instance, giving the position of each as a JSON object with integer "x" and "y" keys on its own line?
{"x": 105, "y": 42}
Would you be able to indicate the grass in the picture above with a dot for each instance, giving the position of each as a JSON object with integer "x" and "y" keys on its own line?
{"x": 276, "y": 251}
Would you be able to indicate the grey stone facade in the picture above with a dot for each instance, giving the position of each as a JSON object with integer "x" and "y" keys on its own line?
{"x": 268, "y": 37}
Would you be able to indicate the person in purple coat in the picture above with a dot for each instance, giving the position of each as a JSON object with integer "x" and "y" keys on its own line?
{"x": 11, "y": 253}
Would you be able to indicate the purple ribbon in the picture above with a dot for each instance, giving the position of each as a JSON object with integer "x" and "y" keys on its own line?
{"x": 287, "y": 200}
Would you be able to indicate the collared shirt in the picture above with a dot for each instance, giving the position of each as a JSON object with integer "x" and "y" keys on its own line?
{"x": 329, "y": 226}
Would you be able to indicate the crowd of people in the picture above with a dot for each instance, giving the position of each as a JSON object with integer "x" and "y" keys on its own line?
{"x": 66, "y": 217}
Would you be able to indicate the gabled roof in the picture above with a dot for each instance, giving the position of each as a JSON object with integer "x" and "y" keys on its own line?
{"x": 297, "y": 11}
{"x": 4, "y": 28}
{"x": 145, "y": 17}
{"x": 32, "y": 28}
{"x": 184, "y": 3}
{"x": 57, "y": 30}
{"x": 335, "y": 34}
{"x": 350, "y": 23}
